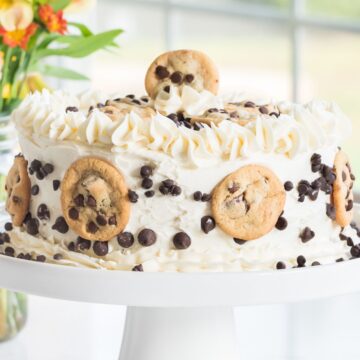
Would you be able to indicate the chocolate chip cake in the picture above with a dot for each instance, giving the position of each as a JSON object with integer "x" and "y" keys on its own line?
{"x": 181, "y": 179}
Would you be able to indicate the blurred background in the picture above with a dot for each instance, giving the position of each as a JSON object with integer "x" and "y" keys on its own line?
{"x": 282, "y": 49}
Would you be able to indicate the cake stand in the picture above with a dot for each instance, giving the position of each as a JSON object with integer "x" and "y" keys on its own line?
{"x": 179, "y": 316}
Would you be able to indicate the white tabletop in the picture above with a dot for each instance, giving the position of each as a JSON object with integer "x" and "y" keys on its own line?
{"x": 64, "y": 330}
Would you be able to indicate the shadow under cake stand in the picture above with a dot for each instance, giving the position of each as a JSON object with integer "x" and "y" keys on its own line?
{"x": 179, "y": 316}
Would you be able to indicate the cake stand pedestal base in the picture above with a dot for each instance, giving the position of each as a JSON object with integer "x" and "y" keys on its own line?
{"x": 179, "y": 334}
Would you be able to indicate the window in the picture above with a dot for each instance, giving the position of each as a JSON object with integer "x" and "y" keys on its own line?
{"x": 286, "y": 49}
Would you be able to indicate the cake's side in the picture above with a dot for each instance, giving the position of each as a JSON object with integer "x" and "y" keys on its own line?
{"x": 199, "y": 182}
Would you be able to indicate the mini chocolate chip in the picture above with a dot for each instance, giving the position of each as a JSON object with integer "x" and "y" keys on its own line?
{"x": 138, "y": 268}
{"x": 73, "y": 214}
{"x": 91, "y": 201}
{"x": 281, "y": 224}
{"x": 280, "y": 265}
{"x": 189, "y": 78}
{"x": 112, "y": 220}
{"x": 35, "y": 165}
{"x": 206, "y": 197}
{"x": 176, "y": 190}
{"x": 149, "y": 193}
{"x": 207, "y": 224}
{"x": 82, "y": 244}
{"x": 146, "y": 183}
{"x": 355, "y": 251}
{"x": 288, "y": 186}
{"x": 60, "y": 225}
{"x": 349, "y": 242}
{"x": 9, "y": 251}
{"x": 48, "y": 168}
{"x": 56, "y": 184}
{"x": 27, "y": 256}
{"x": 101, "y": 248}
{"x": 32, "y": 226}
{"x": 168, "y": 183}
{"x": 349, "y": 205}
{"x": 133, "y": 196}
{"x": 71, "y": 109}
{"x": 21, "y": 256}
{"x": 35, "y": 190}
{"x": 126, "y": 239}
{"x": 331, "y": 211}
{"x": 344, "y": 177}
{"x": 167, "y": 88}
{"x": 130, "y": 96}
{"x": 147, "y": 237}
{"x": 8, "y": 226}
{"x": 352, "y": 177}
{"x": 263, "y": 109}
{"x": 43, "y": 212}
{"x": 176, "y": 77}
{"x": 163, "y": 189}
{"x": 315, "y": 263}
{"x": 41, "y": 258}
{"x": 79, "y": 200}
{"x": 161, "y": 72}
{"x": 136, "y": 101}
{"x": 92, "y": 228}
{"x": 146, "y": 171}
{"x": 239, "y": 241}
{"x": 249, "y": 104}
{"x": 71, "y": 246}
{"x": 197, "y": 195}
{"x": 101, "y": 220}
{"x": 58, "y": 256}
{"x": 306, "y": 234}
{"x": 315, "y": 159}
{"x": 314, "y": 195}
{"x": 181, "y": 240}
{"x": 301, "y": 261}
{"x": 40, "y": 174}
{"x": 303, "y": 187}
{"x": 339, "y": 260}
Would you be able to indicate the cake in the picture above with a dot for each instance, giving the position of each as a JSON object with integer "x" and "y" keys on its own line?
{"x": 181, "y": 179}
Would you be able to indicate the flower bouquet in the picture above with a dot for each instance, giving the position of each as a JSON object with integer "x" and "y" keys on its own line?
{"x": 31, "y": 31}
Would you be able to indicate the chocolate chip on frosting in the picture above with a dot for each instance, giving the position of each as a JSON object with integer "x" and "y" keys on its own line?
{"x": 133, "y": 196}
{"x": 288, "y": 186}
{"x": 60, "y": 225}
{"x": 8, "y": 226}
{"x": 239, "y": 241}
{"x": 101, "y": 248}
{"x": 35, "y": 190}
{"x": 56, "y": 184}
{"x": 301, "y": 261}
{"x": 197, "y": 195}
{"x": 149, "y": 193}
{"x": 146, "y": 183}
{"x": 32, "y": 227}
{"x": 281, "y": 224}
{"x": 43, "y": 212}
{"x": 82, "y": 244}
{"x": 207, "y": 224}
{"x": 48, "y": 168}
{"x": 125, "y": 239}
{"x": 138, "y": 268}
{"x": 181, "y": 240}
{"x": 147, "y": 237}
{"x": 331, "y": 211}
{"x": 146, "y": 171}
{"x": 306, "y": 234}
{"x": 280, "y": 265}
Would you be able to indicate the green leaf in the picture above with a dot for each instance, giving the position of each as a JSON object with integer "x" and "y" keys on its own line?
{"x": 61, "y": 73}
{"x": 59, "y": 4}
{"x": 83, "y": 46}
{"x": 85, "y": 31}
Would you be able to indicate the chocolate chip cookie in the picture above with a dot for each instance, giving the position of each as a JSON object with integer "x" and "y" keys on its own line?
{"x": 248, "y": 203}
{"x": 94, "y": 199}
{"x": 117, "y": 109}
{"x": 343, "y": 196}
{"x": 18, "y": 188}
{"x": 182, "y": 67}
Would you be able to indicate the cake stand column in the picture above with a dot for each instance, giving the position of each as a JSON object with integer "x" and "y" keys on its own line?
{"x": 179, "y": 334}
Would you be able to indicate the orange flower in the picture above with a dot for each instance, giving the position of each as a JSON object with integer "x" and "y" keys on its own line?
{"x": 53, "y": 21}
{"x": 18, "y": 37}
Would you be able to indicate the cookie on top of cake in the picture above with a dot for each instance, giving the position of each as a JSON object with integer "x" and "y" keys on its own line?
{"x": 180, "y": 179}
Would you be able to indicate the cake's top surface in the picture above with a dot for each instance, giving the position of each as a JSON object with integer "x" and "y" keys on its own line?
{"x": 184, "y": 118}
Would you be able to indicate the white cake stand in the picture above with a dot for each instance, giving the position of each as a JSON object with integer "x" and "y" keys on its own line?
{"x": 174, "y": 316}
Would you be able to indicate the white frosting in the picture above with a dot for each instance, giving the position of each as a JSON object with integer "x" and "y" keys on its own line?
{"x": 301, "y": 128}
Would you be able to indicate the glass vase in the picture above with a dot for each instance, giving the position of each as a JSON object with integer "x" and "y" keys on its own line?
{"x": 13, "y": 306}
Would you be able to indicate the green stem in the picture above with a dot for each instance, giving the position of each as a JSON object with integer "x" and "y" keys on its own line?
{"x": 16, "y": 82}
{"x": 6, "y": 66}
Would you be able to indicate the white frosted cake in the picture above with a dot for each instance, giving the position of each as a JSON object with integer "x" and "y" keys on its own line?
{"x": 181, "y": 179}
